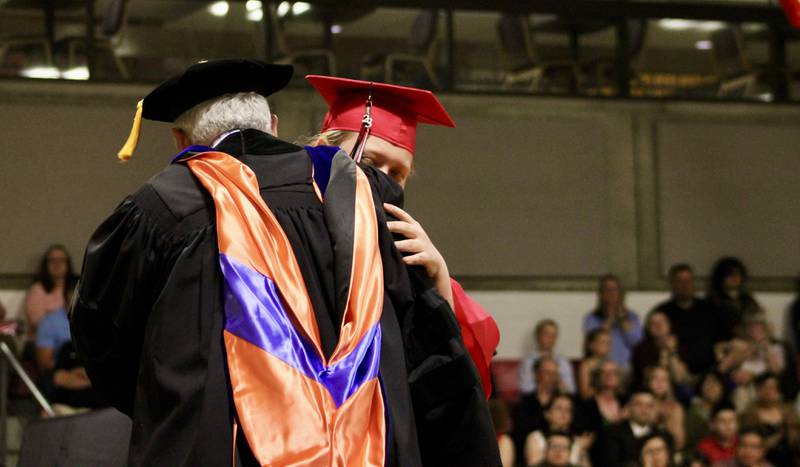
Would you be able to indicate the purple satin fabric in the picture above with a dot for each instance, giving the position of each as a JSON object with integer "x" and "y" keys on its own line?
{"x": 322, "y": 158}
{"x": 255, "y": 313}
{"x": 190, "y": 149}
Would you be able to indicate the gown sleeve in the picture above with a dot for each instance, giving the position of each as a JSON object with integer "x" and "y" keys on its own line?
{"x": 479, "y": 332}
{"x": 123, "y": 270}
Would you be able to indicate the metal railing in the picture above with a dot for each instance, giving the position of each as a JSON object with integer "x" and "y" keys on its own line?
{"x": 8, "y": 358}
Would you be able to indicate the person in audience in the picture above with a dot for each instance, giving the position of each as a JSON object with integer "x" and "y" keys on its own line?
{"x": 559, "y": 447}
{"x": 656, "y": 451}
{"x": 670, "y": 412}
{"x": 63, "y": 377}
{"x": 710, "y": 392}
{"x": 776, "y": 420}
{"x": 529, "y": 413}
{"x": 546, "y": 335}
{"x": 619, "y": 443}
{"x": 720, "y": 445}
{"x": 695, "y": 459}
{"x": 54, "y": 276}
{"x": 729, "y": 297}
{"x": 559, "y": 417}
{"x": 754, "y": 354}
{"x": 596, "y": 348}
{"x": 749, "y": 451}
{"x": 611, "y": 315}
{"x": 691, "y": 320}
{"x": 605, "y": 407}
{"x": 502, "y": 426}
{"x": 659, "y": 348}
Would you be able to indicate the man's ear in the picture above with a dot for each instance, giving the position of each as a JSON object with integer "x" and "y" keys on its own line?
{"x": 274, "y": 125}
{"x": 181, "y": 139}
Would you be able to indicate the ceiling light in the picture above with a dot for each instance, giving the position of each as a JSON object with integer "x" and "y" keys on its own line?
{"x": 336, "y": 29}
{"x": 300, "y": 7}
{"x": 79, "y": 72}
{"x": 674, "y": 24}
{"x": 703, "y": 45}
{"x": 283, "y": 9}
{"x": 255, "y": 15}
{"x": 219, "y": 8}
{"x": 710, "y": 26}
{"x": 41, "y": 72}
{"x": 253, "y": 5}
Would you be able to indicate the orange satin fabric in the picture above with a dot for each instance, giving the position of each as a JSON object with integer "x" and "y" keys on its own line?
{"x": 247, "y": 241}
{"x": 316, "y": 434}
{"x": 365, "y": 302}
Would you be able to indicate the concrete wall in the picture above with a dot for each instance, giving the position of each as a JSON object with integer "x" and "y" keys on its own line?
{"x": 527, "y": 193}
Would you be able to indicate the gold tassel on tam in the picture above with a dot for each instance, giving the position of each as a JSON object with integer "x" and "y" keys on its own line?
{"x": 127, "y": 150}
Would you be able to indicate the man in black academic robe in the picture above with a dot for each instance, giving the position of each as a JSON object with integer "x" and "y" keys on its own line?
{"x": 148, "y": 320}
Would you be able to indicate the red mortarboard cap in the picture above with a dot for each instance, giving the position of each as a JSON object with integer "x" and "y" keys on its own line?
{"x": 396, "y": 110}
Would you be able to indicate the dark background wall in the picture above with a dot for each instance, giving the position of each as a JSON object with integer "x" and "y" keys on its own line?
{"x": 525, "y": 193}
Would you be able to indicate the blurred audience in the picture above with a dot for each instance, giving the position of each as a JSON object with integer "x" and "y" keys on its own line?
{"x": 559, "y": 415}
{"x": 61, "y": 375}
{"x": 659, "y": 348}
{"x": 749, "y": 451}
{"x": 529, "y": 413}
{"x": 777, "y": 421}
{"x": 546, "y": 335}
{"x": 710, "y": 392}
{"x": 619, "y": 443}
{"x": 729, "y": 296}
{"x": 655, "y": 451}
{"x": 605, "y": 407}
{"x": 670, "y": 415}
{"x": 54, "y": 276}
{"x": 700, "y": 369}
{"x": 749, "y": 356}
{"x": 559, "y": 447}
{"x": 596, "y": 348}
{"x": 691, "y": 319}
{"x": 502, "y": 426}
{"x": 720, "y": 445}
{"x": 611, "y": 315}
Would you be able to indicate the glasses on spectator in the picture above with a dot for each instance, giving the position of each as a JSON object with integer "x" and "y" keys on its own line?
{"x": 57, "y": 260}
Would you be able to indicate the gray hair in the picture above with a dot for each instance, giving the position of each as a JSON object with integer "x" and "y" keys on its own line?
{"x": 206, "y": 121}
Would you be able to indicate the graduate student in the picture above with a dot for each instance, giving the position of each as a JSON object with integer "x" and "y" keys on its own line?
{"x": 377, "y": 123}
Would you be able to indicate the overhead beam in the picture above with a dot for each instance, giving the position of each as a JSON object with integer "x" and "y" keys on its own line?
{"x": 597, "y": 9}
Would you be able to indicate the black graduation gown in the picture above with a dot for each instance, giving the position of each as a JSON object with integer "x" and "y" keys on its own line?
{"x": 148, "y": 317}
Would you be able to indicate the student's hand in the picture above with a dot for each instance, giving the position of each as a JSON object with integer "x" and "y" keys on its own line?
{"x": 420, "y": 250}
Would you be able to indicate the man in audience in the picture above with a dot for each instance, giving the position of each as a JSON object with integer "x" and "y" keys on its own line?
{"x": 529, "y": 413}
{"x": 749, "y": 452}
{"x": 691, "y": 319}
{"x": 720, "y": 445}
{"x": 619, "y": 442}
{"x": 546, "y": 335}
{"x": 559, "y": 445}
